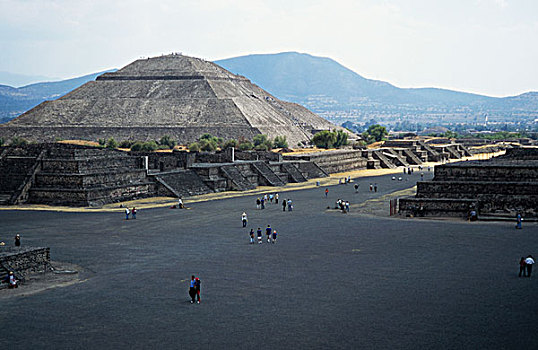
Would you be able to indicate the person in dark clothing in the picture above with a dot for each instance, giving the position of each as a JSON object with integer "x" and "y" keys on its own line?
{"x": 375, "y": 187}
{"x": 133, "y": 213}
{"x": 268, "y": 233}
{"x": 192, "y": 289}
{"x": 263, "y": 203}
{"x": 259, "y": 233}
{"x": 251, "y": 236}
{"x": 284, "y": 205}
{"x": 197, "y": 287}
{"x": 522, "y": 267}
{"x": 528, "y": 263}
{"x": 17, "y": 240}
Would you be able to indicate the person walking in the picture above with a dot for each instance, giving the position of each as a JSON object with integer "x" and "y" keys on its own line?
{"x": 133, "y": 213}
{"x": 274, "y": 236}
{"x": 244, "y": 219}
{"x": 276, "y": 198}
{"x": 375, "y": 187}
{"x": 259, "y": 233}
{"x": 268, "y": 233}
{"x": 529, "y": 262}
{"x": 519, "y": 219}
{"x": 263, "y": 203}
{"x": 356, "y": 188}
{"x": 192, "y": 289}
{"x": 326, "y": 192}
{"x": 180, "y": 203}
{"x": 17, "y": 240}
{"x": 371, "y": 187}
{"x": 290, "y": 205}
{"x": 197, "y": 285}
{"x": 284, "y": 205}
{"x": 522, "y": 267}
{"x": 251, "y": 233}
{"x": 271, "y": 198}
{"x": 258, "y": 203}
{"x": 127, "y": 212}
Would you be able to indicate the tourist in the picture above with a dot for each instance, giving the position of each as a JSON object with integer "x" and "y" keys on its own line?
{"x": 421, "y": 176}
{"x": 271, "y": 198}
{"x": 258, "y": 203}
{"x": 276, "y": 198}
{"x": 326, "y": 192}
{"x": 375, "y": 187}
{"x": 290, "y": 205}
{"x": 356, "y": 188}
{"x": 13, "y": 282}
{"x": 263, "y": 203}
{"x": 192, "y": 289}
{"x": 284, "y": 205}
{"x": 265, "y": 198}
{"x": 404, "y": 170}
{"x": 518, "y": 219}
{"x": 127, "y": 212}
{"x": 259, "y": 233}
{"x": 197, "y": 286}
{"x": 180, "y": 204}
{"x": 347, "y": 206}
{"x": 529, "y": 262}
{"x": 251, "y": 236}
{"x": 17, "y": 240}
{"x": 274, "y": 236}
{"x": 371, "y": 187}
{"x": 349, "y": 179}
{"x": 268, "y": 233}
{"x": 244, "y": 219}
{"x": 133, "y": 213}
{"x": 522, "y": 267}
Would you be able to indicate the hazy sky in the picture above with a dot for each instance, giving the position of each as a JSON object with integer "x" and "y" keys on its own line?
{"x": 483, "y": 46}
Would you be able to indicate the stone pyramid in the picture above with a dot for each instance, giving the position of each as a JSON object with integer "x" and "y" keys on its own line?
{"x": 174, "y": 95}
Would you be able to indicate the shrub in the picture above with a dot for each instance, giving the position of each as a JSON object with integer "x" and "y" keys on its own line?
{"x": 18, "y": 141}
{"x": 126, "y": 144}
{"x": 194, "y": 147}
{"x": 246, "y": 146}
{"x": 149, "y": 146}
{"x": 230, "y": 143}
{"x": 280, "y": 142}
{"x": 111, "y": 143}
{"x": 208, "y": 145}
{"x": 324, "y": 139}
{"x": 259, "y": 139}
{"x": 101, "y": 142}
{"x": 167, "y": 141}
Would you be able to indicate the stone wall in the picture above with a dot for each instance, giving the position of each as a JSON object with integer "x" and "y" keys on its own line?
{"x": 334, "y": 161}
{"x": 24, "y": 260}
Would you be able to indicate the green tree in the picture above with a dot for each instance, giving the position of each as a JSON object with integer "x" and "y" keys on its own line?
{"x": 101, "y": 142}
{"x": 126, "y": 144}
{"x": 324, "y": 139}
{"x": 259, "y": 139}
{"x": 208, "y": 145}
{"x": 230, "y": 143}
{"x": 246, "y": 146}
{"x": 139, "y": 146}
{"x": 167, "y": 141}
{"x": 111, "y": 143}
{"x": 375, "y": 133}
{"x": 280, "y": 142}
{"x": 18, "y": 141}
{"x": 341, "y": 139}
{"x": 194, "y": 147}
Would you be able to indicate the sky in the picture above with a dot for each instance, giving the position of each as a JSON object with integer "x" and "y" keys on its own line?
{"x": 482, "y": 46}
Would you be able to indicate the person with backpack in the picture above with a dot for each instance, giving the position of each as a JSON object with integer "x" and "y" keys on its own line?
{"x": 259, "y": 233}
{"x": 274, "y": 236}
{"x": 251, "y": 233}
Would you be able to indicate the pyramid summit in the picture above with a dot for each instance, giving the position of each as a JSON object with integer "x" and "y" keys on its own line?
{"x": 174, "y": 95}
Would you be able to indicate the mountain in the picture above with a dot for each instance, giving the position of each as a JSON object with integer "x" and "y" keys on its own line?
{"x": 15, "y": 101}
{"x": 14, "y": 79}
{"x": 336, "y": 92}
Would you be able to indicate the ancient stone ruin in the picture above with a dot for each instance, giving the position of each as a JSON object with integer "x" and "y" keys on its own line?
{"x": 22, "y": 261}
{"x": 180, "y": 96}
{"x": 501, "y": 186}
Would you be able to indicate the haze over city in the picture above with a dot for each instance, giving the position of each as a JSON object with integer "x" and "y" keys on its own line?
{"x": 480, "y": 46}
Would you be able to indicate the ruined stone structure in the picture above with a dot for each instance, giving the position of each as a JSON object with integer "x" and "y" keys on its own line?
{"x": 22, "y": 261}
{"x": 500, "y": 186}
{"x": 175, "y": 95}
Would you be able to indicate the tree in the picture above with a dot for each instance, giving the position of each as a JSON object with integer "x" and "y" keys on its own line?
{"x": 149, "y": 146}
{"x": 259, "y": 139}
{"x": 341, "y": 139}
{"x": 246, "y": 146}
{"x": 101, "y": 142}
{"x": 208, "y": 145}
{"x": 230, "y": 143}
{"x": 167, "y": 141}
{"x": 194, "y": 147}
{"x": 280, "y": 142}
{"x": 111, "y": 143}
{"x": 375, "y": 133}
{"x": 324, "y": 139}
{"x": 126, "y": 144}
{"x": 18, "y": 141}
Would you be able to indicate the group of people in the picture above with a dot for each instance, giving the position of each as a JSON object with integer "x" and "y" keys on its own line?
{"x": 194, "y": 290}
{"x": 11, "y": 280}
{"x": 373, "y": 187}
{"x": 344, "y": 180}
{"x": 342, "y": 205}
{"x": 131, "y": 212}
{"x": 265, "y": 199}
{"x": 525, "y": 266}
{"x": 270, "y": 234}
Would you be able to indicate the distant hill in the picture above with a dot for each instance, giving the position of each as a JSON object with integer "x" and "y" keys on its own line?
{"x": 330, "y": 89}
{"x": 15, "y": 101}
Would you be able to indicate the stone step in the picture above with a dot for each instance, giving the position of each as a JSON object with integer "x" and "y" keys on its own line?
{"x": 265, "y": 172}
{"x": 238, "y": 181}
{"x": 384, "y": 161}
{"x": 293, "y": 172}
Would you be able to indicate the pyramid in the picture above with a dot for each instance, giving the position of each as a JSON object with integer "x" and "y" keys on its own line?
{"x": 174, "y": 95}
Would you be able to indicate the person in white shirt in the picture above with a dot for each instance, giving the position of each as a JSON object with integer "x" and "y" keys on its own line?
{"x": 244, "y": 219}
{"x": 529, "y": 261}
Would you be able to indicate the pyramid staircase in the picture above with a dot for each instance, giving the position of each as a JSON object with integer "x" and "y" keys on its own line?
{"x": 267, "y": 174}
{"x": 237, "y": 180}
{"x": 294, "y": 174}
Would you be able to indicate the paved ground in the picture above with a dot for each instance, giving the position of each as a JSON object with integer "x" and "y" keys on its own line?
{"x": 331, "y": 281}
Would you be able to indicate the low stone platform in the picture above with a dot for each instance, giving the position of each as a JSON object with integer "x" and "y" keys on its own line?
{"x": 23, "y": 261}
